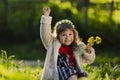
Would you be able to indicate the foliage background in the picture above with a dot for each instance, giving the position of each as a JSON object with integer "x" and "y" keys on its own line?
{"x": 20, "y": 20}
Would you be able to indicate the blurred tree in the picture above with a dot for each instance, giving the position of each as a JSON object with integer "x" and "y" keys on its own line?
{"x": 5, "y": 12}
{"x": 111, "y": 10}
{"x": 83, "y": 5}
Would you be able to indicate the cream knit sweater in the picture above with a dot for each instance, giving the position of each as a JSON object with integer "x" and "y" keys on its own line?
{"x": 52, "y": 45}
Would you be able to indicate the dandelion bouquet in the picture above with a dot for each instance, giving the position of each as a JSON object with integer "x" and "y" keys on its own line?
{"x": 90, "y": 42}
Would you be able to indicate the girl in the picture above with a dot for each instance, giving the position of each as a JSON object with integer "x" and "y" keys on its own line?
{"x": 63, "y": 46}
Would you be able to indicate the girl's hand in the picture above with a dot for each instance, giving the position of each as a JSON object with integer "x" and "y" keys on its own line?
{"x": 88, "y": 49}
{"x": 46, "y": 11}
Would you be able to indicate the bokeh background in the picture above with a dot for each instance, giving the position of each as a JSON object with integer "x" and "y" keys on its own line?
{"x": 20, "y": 22}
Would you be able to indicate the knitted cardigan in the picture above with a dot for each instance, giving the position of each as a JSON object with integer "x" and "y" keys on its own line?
{"x": 52, "y": 45}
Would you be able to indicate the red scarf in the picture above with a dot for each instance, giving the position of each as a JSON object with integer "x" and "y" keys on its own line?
{"x": 67, "y": 50}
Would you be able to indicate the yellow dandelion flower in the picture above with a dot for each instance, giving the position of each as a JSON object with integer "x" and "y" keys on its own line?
{"x": 91, "y": 41}
{"x": 38, "y": 71}
{"x": 33, "y": 76}
{"x": 98, "y": 40}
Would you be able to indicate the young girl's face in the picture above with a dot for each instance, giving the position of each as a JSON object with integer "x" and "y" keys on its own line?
{"x": 66, "y": 37}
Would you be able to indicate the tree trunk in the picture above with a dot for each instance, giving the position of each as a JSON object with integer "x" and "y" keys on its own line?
{"x": 83, "y": 6}
{"x": 111, "y": 10}
{"x": 5, "y": 21}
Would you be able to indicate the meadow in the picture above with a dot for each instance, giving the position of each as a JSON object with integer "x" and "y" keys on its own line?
{"x": 11, "y": 69}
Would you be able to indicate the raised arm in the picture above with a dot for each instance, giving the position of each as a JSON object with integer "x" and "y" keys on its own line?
{"x": 45, "y": 27}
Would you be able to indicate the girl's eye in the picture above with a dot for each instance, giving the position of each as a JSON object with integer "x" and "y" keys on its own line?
{"x": 70, "y": 34}
{"x": 63, "y": 34}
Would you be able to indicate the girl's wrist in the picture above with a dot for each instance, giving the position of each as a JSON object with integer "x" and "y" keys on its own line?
{"x": 46, "y": 15}
{"x": 46, "y": 19}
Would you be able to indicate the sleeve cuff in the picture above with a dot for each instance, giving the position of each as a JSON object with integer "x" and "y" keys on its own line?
{"x": 46, "y": 19}
{"x": 89, "y": 57}
{"x": 90, "y": 54}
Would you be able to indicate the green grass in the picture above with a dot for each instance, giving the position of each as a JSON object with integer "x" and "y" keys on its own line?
{"x": 12, "y": 70}
{"x": 104, "y": 65}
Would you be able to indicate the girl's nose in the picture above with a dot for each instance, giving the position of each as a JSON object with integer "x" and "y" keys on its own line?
{"x": 67, "y": 36}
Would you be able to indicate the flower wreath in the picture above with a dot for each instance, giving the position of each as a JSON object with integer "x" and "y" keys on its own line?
{"x": 63, "y": 22}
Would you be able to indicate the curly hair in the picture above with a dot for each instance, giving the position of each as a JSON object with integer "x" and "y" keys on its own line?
{"x": 61, "y": 26}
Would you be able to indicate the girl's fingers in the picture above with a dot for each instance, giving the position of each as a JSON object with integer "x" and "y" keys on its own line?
{"x": 46, "y": 11}
{"x": 88, "y": 49}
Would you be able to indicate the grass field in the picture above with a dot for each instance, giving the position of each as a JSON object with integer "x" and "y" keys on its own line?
{"x": 105, "y": 67}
